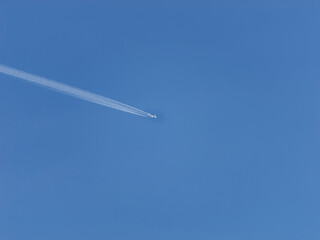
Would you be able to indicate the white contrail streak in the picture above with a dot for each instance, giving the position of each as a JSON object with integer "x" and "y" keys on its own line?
{"x": 73, "y": 91}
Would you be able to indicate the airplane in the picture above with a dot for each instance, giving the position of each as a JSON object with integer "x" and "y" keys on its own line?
{"x": 152, "y": 116}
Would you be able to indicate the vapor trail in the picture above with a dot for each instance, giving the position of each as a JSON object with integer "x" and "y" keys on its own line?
{"x": 73, "y": 91}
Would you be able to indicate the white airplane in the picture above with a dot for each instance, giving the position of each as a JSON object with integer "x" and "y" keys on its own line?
{"x": 152, "y": 116}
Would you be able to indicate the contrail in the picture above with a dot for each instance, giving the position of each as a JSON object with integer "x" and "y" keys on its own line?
{"x": 73, "y": 91}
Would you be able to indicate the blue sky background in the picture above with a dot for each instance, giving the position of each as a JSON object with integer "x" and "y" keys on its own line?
{"x": 234, "y": 153}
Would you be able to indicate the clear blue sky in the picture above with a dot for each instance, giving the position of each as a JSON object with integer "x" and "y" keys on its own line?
{"x": 235, "y": 153}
